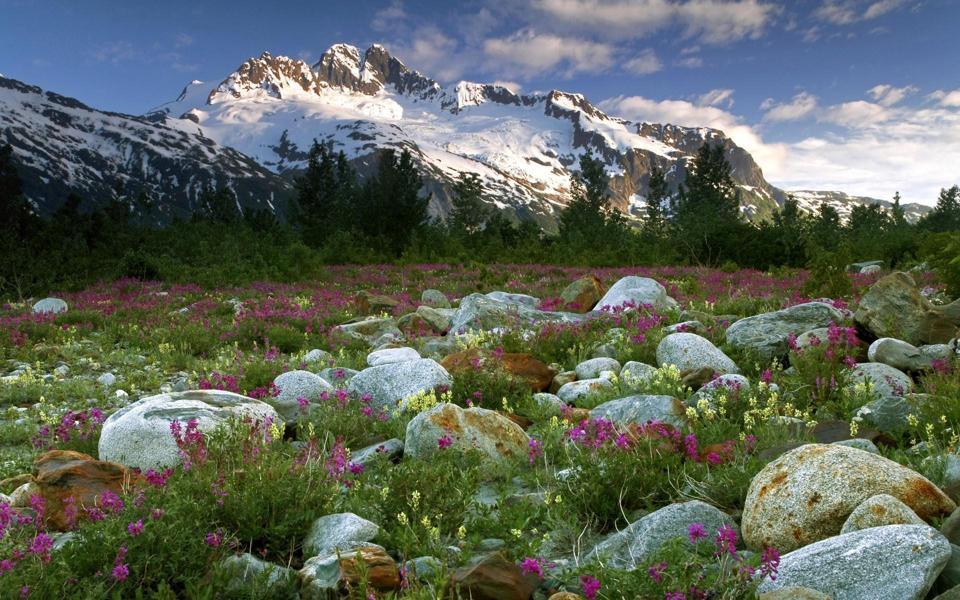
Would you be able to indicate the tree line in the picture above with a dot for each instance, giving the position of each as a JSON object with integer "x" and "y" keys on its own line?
{"x": 338, "y": 217}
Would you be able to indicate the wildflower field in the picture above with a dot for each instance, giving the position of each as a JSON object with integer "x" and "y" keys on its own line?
{"x": 559, "y": 456}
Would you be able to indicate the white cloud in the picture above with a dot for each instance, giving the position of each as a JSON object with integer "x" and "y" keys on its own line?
{"x": 845, "y": 12}
{"x": 888, "y": 95}
{"x": 711, "y": 21}
{"x": 513, "y": 86}
{"x": 115, "y": 52}
{"x": 433, "y": 52}
{"x": 800, "y": 106}
{"x": 527, "y": 52}
{"x": 949, "y": 99}
{"x": 183, "y": 40}
{"x": 689, "y": 62}
{"x": 718, "y": 97}
{"x": 856, "y": 114}
{"x": 644, "y": 63}
{"x": 387, "y": 18}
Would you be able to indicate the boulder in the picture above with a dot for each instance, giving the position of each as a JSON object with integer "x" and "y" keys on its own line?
{"x": 591, "y": 369}
{"x": 887, "y": 414}
{"x": 482, "y": 312}
{"x": 635, "y": 374}
{"x": 426, "y": 320}
{"x": 571, "y": 392}
{"x": 767, "y": 334}
{"x": 258, "y": 578}
{"x": 62, "y": 474}
{"x": 893, "y": 561}
{"x": 367, "y": 303}
{"x": 561, "y": 379}
{"x": 519, "y": 364}
{"x": 806, "y": 494}
{"x": 434, "y": 298}
{"x": 633, "y": 291}
{"x": 487, "y": 431}
{"x": 898, "y": 354}
{"x": 318, "y": 356}
{"x": 582, "y": 295}
{"x": 879, "y": 510}
{"x": 518, "y": 299}
{"x": 689, "y": 351}
{"x": 337, "y": 376}
{"x": 339, "y": 531}
{"x": 389, "y": 356}
{"x": 330, "y": 576}
{"x": 870, "y": 269}
{"x": 493, "y": 577}
{"x": 732, "y": 386}
{"x": 894, "y": 307}
{"x": 390, "y": 384}
{"x": 293, "y": 385}
{"x": 50, "y": 305}
{"x": 369, "y": 329}
{"x": 858, "y": 267}
{"x": 392, "y": 448}
{"x": 793, "y": 592}
{"x": 886, "y": 381}
{"x": 138, "y": 435}
{"x": 630, "y": 547}
{"x": 641, "y": 409}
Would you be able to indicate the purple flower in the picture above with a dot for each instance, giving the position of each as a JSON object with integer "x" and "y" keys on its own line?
{"x": 590, "y": 585}
{"x": 135, "y": 528}
{"x": 120, "y": 572}
{"x": 41, "y": 546}
{"x": 769, "y": 562}
{"x": 532, "y": 566}
{"x": 656, "y": 571}
{"x": 697, "y": 532}
{"x": 213, "y": 539}
{"x": 727, "y": 540}
{"x": 535, "y": 451}
{"x": 445, "y": 441}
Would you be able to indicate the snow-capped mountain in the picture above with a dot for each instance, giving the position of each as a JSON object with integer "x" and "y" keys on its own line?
{"x": 253, "y": 130}
{"x": 523, "y": 146}
{"x": 62, "y": 146}
{"x": 810, "y": 200}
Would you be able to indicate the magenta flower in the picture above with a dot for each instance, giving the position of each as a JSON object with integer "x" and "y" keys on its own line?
{"x": 120, "y": 573}
{"x": 590, "y": 585}
{"x": 41, "y": 546}
{"x": 656, "y": 571}
{"x": 445, "y": 441}
{"x": 532, "y": 566}
{"x": 727, "y": 540}
{"x": 213, "y": 539}
{"x": 135, "y": 528}
{"x": 535, "y": 451}
{"x": 769, "y": 562}
{"x": 697, "y": 532}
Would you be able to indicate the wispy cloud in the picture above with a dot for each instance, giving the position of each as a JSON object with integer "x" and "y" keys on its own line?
{"x": 644, "y": 63}
{"x": 528, "y": 53}
{"x": 115, "y": 52}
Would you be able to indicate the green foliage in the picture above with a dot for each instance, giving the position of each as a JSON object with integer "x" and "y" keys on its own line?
{"x": 828, "y": 273}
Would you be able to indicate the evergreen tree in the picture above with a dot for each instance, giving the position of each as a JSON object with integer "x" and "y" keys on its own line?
{"x": 469, "y": 213}
{"x": 789, "y": 232}
{"x": 658, "y": 194}
{"x": 945, "y": 216}
{"x": 585, "y": 217}
{"x": 826, "y": 228}
{"x": 391, "y": 207}
{"x": 219, "y": 206}
{"x": 707, "y": 215}
{"x": 318, "y": 194}
{"x": 896, "y": 211}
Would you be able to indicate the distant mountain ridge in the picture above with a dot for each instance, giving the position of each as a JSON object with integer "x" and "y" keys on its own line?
{"x": 258, "y": 123}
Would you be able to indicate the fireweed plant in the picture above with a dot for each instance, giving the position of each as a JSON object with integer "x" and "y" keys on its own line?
{"x": 579, "y": 478}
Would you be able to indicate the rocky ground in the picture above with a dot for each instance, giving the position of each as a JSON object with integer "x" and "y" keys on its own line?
{"x": 499, "y": 433}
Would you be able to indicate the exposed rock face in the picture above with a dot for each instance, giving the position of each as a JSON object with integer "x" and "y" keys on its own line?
{"x": 63, "y": 474}
{"x": 767, "y": 334}
{"x": 139, "y": 435}
{"x": 893, "y": 307}
{"x": 894, "y": 561}
{"x": 688, "y": 351}
{"x": 807, "y": 494}
{"x": 491, "y": 433}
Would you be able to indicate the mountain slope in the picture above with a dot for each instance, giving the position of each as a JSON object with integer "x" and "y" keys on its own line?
{"x": 810, "y": 200}
{"x": 61, "y": 146}
{"x": 522, "y": 146}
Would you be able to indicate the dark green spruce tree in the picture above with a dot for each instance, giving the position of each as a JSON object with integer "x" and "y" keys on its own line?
{"x": 469, "y": 213}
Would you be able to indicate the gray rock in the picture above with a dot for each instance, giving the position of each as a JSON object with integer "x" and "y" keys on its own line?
{"x": 887, "y": 414}
{"x": 391, "y": 355}
{"x": 434, "y": 298}
{"x": 806, "y": 494}
{"x": 61, "y": 371}
{"x": 636, "y": 291}
{"x": 519, "y": 299}
{"x": 879, "y": 510}
{"x": 886, "y": 381}
{"x": 894, "y": 561}
{"x": 338, "y": 531}
{"x": 250, "y": 574}
{"x": 732, "y": 386}
{"x": 685, "y": 327}
{"x": 630, "y": 548}
{"x": 549, "y": 402}
{"x": 814, "y": 337}
{"x": 894, "y": 307}
{"x": 480, "y": 429}
{"x": 575, "y": 390}
{"x": 690, "y": 351}
{"x": 318, "y": 357}
{"x": 50, "y": 305}
{"x": 391, "y": 448}
{"x": 858, "y": 267}
{"x": 423, "y": 568}
{"x": 107, "y": 380}
{"x": 293, "y": 385}
{"x": 767, "y": 334}
{"x": 338, "y": 376}
{"x": 591, "y": 369}
{"x": 641, "y": 409}
{"x": 950, "y": 575}
{"x": 794, "y": 592}
{"x": 323, "y": 578}
{"x": 391, "y": 384}
{"x": 481, "y": 312}
{"x": 860, "y": 444}
{"x": 870, "y": 269}
{"x": 138, "y": 435}
{"x": 370, "y": 328}
{"x": 636, "y": 374}
{"x": 898, "y": 354}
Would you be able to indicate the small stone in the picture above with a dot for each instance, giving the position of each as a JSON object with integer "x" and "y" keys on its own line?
{"x": 338, "y": 531}
{"x": 318, "y": 357}
{"x": 590, "y": 369}
{"x": 107, "y": 379}
{"x": 882, "y": 509}
{"x": 571, "y": 392}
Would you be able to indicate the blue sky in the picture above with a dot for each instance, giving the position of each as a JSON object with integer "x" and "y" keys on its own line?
{"x": 857, "y": 95}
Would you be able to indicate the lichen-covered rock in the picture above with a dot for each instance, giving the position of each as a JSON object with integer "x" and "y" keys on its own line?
{"x": 894, "y": 307}
{"x": 767, "y": 334}
{"x": 138, "y": 435}
{"x": 894, "y": 561}
{"x": 388, "y": 385}
{"x": 582, "y": 295}
{"x": 879, "y": 510}
{"x": 689, "y": 351}
{"x": 794, "y": 592}
{"x": 886, "y": 380}
{"x": 635, "y": 374}
{"x": 491, "y": 433}
{"x": 591, "y": 369}
{"x": 338, "y": 531}
{"x": 806, "y": 494}
{"x": 641, "y": 409}
{"x": 575, "y": 390}
{"x": 483, "y": 312}
{"x": 434, "y": 298}
{"x": 630, "y": 547}
{"x": 636, "y": 291}
{"x": 325, "y": 577}
{"x": 293, "y": 385}
{"x": 898, "y": 354}
{"x": 519, "y": 364}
